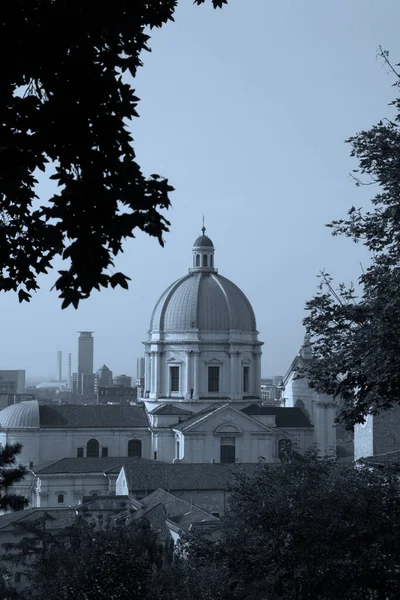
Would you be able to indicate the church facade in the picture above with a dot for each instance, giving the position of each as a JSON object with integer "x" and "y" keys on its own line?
{"x": 200, "y": 402}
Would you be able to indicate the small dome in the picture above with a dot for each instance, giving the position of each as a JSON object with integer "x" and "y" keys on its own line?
{"x": 20, "y": 416}
{"x": 203, "y": 242}
{"x": 205, "y": 301}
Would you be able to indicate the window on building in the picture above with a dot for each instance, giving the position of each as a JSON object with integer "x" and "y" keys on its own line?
{"x": 211, "y": 260}
{"x": 197, "y": 260}
{"x": 92, "y": 449}
{"x": 79, "y": 452}
{"x": 60, "y": 498}
{"x": 284, "y": 448}
{"x": 246, "y": 374}
{"x": 228, "y": 450}
{"x": 213, "y": 379}
{"x": 205, "y": 260}
{"x": 215, "y": 514}
{"x": 174, "y": 379}
{"x": 135, "y": 448}
{"x": 104, "y": 451}
{"x": 178, "y": 449}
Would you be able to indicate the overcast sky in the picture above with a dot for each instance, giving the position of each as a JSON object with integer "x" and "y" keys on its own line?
{"x": 245, "y": 110}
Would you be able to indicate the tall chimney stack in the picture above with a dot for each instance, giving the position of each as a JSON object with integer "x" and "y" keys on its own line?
{"x": 69, "y": 372}
{"x": 59, "y": 365}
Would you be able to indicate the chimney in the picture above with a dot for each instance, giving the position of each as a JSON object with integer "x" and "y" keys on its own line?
{"x": 59, "y": 365}
{"x": 69, "y": 372}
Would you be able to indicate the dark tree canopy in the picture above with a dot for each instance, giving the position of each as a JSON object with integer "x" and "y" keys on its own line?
{"x": 10, "y": 473}
{"x": 355, "y": 336}
{"x": 65, "y": 103}
{"x": 310, "y": 529}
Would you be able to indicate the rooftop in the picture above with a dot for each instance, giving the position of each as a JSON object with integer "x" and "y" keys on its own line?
{"x": 285, "y": 417}
{"x": 108, "y": 464}
{"x": 183, "y": 476}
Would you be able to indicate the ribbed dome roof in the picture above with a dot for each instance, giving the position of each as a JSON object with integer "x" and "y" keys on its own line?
{"x": 20, "y": 416}
{"x": 203, "y": 242}
{"x": 205, "y": 301}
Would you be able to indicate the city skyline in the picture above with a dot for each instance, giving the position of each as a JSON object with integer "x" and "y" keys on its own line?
{"x": 255, "y": 145}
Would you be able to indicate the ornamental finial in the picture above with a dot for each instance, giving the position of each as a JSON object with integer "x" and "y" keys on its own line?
{"x": 203, "y": 228}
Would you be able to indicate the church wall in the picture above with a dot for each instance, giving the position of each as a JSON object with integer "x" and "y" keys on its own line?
{"x": 164, "y": 445}
{"x": 30, "y": 444}
{"x": 364, "y": 438}
{"x": 378, "y": 435}
{"x": 72, "y": 487}
{"x": 50, "y": 445}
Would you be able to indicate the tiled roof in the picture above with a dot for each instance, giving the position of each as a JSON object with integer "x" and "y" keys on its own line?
{"x": 59, "y": 518}
{"x": 179, "y": 511}
{"x": 77, "y": 416}
{"x": 389, "y": 459}
{"x": 113, "y": 503}
{"x": 109, "y": 464}
{"x": 285, "y": 417}
{"x": 195, "y": 476}
{"x": 197, "y": 416}
{"x": 171, "y": 409}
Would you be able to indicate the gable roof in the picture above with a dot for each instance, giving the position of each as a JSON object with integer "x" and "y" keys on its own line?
{"x": 208, "y": 414}
{"x": 171, "y": 409}
{"x": 183, "y": 476}
{"x": 387, "y": 460}
{"x": 299, "y": 362}
{"x": 59, "y": 517}
{"x": 78, "y": 416}
{"x": 179, "y": 511}
{"x": 107, "y": 464}
{"x": 284, "y": 417}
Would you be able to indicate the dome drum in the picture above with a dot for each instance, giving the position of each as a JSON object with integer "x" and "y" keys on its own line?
{"x": 203, "y": 339}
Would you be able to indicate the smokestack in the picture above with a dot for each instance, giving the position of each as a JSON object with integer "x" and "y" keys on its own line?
{"x": 69, "y": 372}
{"x": 59, "y": 365}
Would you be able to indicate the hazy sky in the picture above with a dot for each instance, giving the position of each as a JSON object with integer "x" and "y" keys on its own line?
{"x": 245, "y": 110}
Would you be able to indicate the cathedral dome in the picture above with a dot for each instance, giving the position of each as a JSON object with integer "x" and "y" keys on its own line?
{"x": 203, "y": 299}
{"x": 203, "y": 241}
{"x": 20, "y": 416}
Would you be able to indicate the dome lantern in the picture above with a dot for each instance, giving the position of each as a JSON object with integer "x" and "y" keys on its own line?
{"x": 203, "y": 253}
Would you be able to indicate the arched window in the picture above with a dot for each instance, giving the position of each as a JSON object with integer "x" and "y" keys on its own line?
{"x": 228, "y": 450}
{"x": 135, "y": 448}
{"x": 197, "y": 260}
{"x": 92, "y": 449}
{"x": 204, "y": 260}
{"x": 211, "y": 261}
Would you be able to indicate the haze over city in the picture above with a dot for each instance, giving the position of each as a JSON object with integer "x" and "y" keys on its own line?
{"x": 246, "y": 113}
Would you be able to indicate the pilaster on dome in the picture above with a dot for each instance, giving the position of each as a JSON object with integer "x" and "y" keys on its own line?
{"x": 203, "y": 253}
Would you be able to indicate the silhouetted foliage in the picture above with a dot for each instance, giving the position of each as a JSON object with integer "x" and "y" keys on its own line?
{"x": 65, "y": 103}
{"x": 90, "y": 560}
{"x": 309, "y": 529}
{"x": 10, "y": 473}
{"x": 355, "y": 336}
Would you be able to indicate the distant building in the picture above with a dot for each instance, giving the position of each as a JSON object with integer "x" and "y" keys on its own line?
{"x": 85, "y": 378}
{"x": 123, "y": 381}
{"x": 271, "y": 389}
{"x": 117, "y": 395}
{"x": 140, "y": 376}
{"x": 103, "y": 378}
{"x": 9, "y": 399}
{"x": 12, "y": 382}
